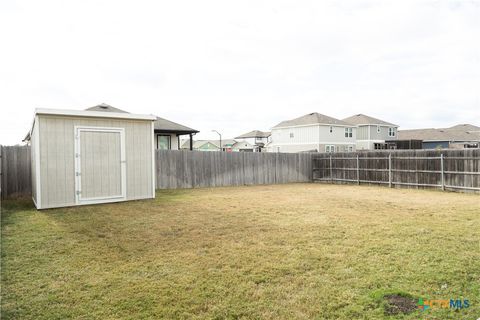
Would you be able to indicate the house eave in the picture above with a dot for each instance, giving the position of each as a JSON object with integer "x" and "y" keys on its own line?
{"x": 178, "y": 132}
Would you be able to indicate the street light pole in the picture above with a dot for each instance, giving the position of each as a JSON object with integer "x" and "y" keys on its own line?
{"x": 221, "y": 149}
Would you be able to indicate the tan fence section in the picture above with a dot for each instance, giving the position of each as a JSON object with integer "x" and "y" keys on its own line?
{"x": 442, "y": 169}
{"x": 15, "y": 171}
{"x": 191, "y": 169}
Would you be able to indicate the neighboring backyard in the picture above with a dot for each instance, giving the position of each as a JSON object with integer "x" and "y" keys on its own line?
{"x": 291, "y": 251}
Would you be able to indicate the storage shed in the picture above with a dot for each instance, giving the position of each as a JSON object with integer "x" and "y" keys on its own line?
{"x": 87, "y": 157}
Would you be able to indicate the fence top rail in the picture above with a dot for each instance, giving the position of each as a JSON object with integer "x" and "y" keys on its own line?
{"x": 379, "y": 158}
{"x": 461, "y": 158}
{"x": 395, "y": 157}
{"x": 351, "y": 158}
{"x": 416, "y": 158}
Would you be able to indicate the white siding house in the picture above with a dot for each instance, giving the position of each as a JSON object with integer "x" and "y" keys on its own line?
{"x": 256, "y": 138}
{"x": 313, "y": 132}
{"x": 371, "y": 132}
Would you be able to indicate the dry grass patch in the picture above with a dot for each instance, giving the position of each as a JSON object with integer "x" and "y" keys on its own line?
{"x": 270, "y": 252}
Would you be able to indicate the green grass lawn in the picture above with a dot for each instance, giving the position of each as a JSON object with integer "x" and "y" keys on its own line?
{"x": 297, "y": 251}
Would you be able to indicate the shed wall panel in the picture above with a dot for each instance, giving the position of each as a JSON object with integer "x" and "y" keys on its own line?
{"x": 57, "y": 157}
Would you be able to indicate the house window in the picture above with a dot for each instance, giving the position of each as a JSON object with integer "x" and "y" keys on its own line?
{"x": 348, "y": 132}
{"x": 391, "y": 132}
{"x": 164, "y": 142}
{"x": 329, "y": 148}
{"x": 291, "y": 134}
{"x": 331, "y": 129}
{"x": 378, "y": 129}
{"x": 350, "y": 148}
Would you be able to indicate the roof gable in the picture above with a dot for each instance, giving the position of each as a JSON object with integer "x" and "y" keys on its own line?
{"x": 465, "y": 127}
{"x": 312, "y": 118}
{"x": 254, "y": 134}
{"x": 105, "y": 108}
{"x": 359, "y": 119}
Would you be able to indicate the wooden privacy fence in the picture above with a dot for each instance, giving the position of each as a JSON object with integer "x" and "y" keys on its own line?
{"x": 15, "y": 171}
{"x": 191, "y": 169}
{"x": 443, "y": 169}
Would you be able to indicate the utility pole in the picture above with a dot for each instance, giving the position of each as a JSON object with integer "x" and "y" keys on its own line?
{"x": 221, "y": 148}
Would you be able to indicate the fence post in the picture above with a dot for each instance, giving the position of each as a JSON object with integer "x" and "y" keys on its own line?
{"x": 331, "y": 170}
{"x": 358, "y": 170}
{"x": 442, "y": 171}
{"x": 390, "y": 170}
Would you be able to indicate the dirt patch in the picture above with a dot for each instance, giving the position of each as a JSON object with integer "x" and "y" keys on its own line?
{"x": 399, "y": 304}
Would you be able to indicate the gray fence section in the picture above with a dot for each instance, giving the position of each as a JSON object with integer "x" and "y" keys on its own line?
{"x": 191, "y": 169}
{"x": 15, "y": 171}
{"x": 443, "y": 169}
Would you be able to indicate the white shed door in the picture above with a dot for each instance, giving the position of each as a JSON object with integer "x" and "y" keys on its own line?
{"x": 99, "y": 165}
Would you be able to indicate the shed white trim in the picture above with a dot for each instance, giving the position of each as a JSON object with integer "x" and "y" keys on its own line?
{"x": 153, "y": 160}
{"x": 78, "y": 165}
{"x": 38, "y": 189}
{"x": 95, "y": 114}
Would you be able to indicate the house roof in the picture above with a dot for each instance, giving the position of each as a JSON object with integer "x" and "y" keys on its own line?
{"x": 105, "y": 108}
{"x": 198, "y": 143}
{"x": 254, "y": 134}
{"x": 466, "y": 127}
{"x": 312, "y": 118}
{"x": 359, "y": 119}
{"x": 160, "y": 124}
{"x": 242, "y": 145}
{"x": 433, "y": 134}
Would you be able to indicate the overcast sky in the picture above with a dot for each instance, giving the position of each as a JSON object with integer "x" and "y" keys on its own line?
{"x": 235, "y": 66}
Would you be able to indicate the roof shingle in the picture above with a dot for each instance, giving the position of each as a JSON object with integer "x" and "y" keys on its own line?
{"x": 364, "y": 119}
{"x": 312, "y": 118}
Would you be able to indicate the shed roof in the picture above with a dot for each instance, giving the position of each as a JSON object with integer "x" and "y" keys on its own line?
{"x": 312, "y": 118}
{"x": 255, "y": 134}
{"x": 359, "y": 119}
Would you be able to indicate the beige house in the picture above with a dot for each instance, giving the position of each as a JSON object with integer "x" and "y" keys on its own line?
{"x": 167, "y": 133}
{"x": 88, "y": 157}
{"x": 313, "y": 132}
{"x": 372, "y": 132}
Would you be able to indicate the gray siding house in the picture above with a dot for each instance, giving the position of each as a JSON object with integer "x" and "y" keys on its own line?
{"x": 313, "y": 132}
{"x": 372, "y": 132}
